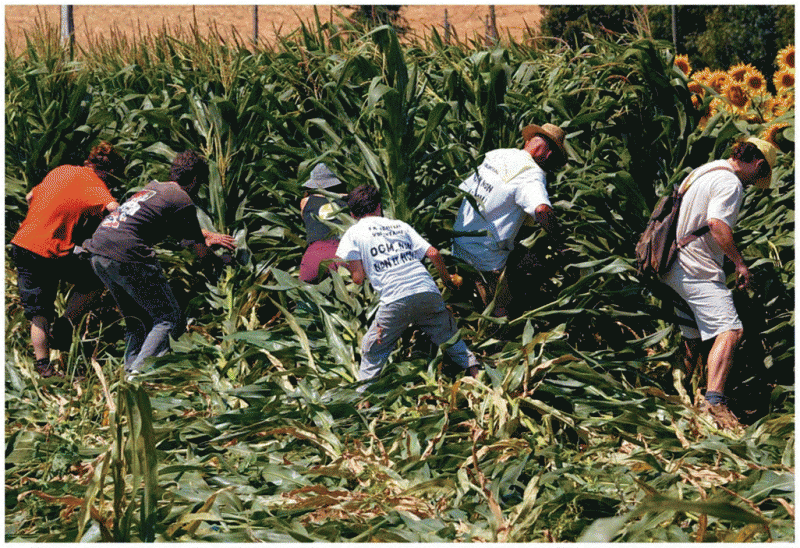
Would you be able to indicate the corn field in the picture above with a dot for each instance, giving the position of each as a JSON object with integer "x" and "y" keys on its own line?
{"x": 251, "y": 429}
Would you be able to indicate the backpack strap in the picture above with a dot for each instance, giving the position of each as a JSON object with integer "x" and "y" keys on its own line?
{"x": 689, "y": 238}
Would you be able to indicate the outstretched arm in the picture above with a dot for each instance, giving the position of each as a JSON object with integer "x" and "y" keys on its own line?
{"x": 436, "y": 258}
{"x": 214, "y": 238}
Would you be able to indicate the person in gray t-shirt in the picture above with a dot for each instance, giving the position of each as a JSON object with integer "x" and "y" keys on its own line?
{"x": 122, "y": 255}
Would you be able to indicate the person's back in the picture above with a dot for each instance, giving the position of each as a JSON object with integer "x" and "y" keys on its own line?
{"x": 391, "y": 252}
{"x": 316, "y": 212}
{"x": 56, "y": 206}
{"x": 145, "y": 220}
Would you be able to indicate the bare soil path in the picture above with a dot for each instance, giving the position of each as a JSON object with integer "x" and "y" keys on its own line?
{"x": 94, "y": 20}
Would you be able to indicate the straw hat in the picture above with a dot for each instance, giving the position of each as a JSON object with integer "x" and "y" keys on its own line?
{"x": 552, "y": 133}
{"x": 322, "y": 177}
{"x": 770, "y": 154}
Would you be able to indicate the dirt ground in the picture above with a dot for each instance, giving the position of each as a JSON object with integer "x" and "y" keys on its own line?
{"x": 94, "y": 20}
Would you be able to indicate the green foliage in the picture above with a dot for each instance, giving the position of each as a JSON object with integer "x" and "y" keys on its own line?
{"x": 251, "y": 430}
{"x": 714, "y": 36}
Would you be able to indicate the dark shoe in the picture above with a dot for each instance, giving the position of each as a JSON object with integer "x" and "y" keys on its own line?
{"x": 61, "y": 334}
{"x": 46, "y": 369}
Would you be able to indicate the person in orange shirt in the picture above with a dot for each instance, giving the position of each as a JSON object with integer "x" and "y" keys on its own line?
{"x": 42, "y": 248}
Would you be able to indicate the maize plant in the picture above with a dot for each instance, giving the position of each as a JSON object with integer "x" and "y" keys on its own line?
{"x": 251, "y": 430}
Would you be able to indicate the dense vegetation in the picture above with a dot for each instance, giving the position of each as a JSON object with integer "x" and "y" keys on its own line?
{"x": 711, "y": 35}
{"x": 251, "y": 429}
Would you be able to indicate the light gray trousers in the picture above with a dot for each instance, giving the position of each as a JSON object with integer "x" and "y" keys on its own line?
{"x": 425, "y": 310}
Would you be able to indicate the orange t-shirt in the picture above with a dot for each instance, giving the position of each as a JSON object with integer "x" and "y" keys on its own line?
{"x": 56, "y": 206}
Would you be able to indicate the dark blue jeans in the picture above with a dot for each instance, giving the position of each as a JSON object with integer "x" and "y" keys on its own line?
{"x": 146, "y": 301}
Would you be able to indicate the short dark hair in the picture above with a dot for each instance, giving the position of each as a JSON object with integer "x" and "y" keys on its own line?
{"x": 106, "y": 161}
{"x": 188, "y": 167}
{"x": 748, "y": 152}
{"x": 363, "y": 200}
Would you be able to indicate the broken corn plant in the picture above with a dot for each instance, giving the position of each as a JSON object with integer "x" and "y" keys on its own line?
{"x": 252, "y": 430}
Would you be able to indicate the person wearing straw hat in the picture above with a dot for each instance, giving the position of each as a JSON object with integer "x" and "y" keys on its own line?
{"x": 508, "y": 188}
{"x": 713, "y": 196}
{"x": 319, "y": 216}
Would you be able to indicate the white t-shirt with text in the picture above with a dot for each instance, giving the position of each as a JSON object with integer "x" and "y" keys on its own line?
{"x": 391, "y": 252}
{"x": 507, "y": 186}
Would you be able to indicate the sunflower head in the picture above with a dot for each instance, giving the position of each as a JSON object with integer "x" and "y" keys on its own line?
{"x": 785, "y": 58}
{"x": 702, "y": 76}
{"x": 696, "y": 88}
{"x": 773, "y": 134}
{"x": 682, "y": 62}
{"x": 737, "y": 98}
{"x": 783, "y": 79}
{"x": 719, "y": 81}
{"x": 738, "y": 72}
{"x": 755, "y": 82}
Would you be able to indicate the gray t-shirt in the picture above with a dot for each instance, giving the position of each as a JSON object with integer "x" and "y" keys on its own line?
{"x": 151, "y": 215}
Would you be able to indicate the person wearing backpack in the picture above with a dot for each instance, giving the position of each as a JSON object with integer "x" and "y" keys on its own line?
{"x": 712, "y": 196}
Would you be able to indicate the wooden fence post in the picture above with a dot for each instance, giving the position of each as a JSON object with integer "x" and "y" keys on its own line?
{"x": 67, "y": 29}
{"x": 255, "y": 25}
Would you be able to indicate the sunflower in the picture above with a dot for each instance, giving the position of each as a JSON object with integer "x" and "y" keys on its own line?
{"x": 770, "y": 134}
{"x": 755, "y": 82}
{"x": 702, "y": 76}
{"x": 774, "y": 107}
{"x": 738, "y": 100}
{"x": 682, "y": 62}
{"x": 783, "y": 79}
{"x": 718, "y": 81}
{"x": 696, "y": 88}
{"x": 785, "y": 58}
{"x": 738, "y": 72}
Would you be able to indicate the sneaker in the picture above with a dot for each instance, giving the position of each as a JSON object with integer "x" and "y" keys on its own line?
{"x": 46, "y": 369}
{"x": 61, "y": 334}
{"x": 721, "y": 415}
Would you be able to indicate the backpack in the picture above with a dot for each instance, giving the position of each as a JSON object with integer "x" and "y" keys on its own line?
{"x": 658, "y": 247}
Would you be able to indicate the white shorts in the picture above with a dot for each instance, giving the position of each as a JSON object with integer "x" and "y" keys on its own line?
{"x": 710, "y": 302}
{"x": 481, "y": 252}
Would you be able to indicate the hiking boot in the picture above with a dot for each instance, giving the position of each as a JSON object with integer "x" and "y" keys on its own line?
{"x": 723, "y": 416}
{"x": 61, "y": 334}
{"x": 46, "y": 369}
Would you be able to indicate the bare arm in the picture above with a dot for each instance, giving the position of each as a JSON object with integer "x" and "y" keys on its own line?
{"x": 356, "y": 269}
{"x": 723, "y": 235}
{"x": 29, "y": 197}
{"x": 112, "y": 207}
{"x": 436, "y": 258}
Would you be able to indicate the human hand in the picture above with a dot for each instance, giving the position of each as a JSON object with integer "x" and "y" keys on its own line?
{"x": 453, "y": 282}
{"x": 228, "y": 242}
{"x": 742, "y": 276}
